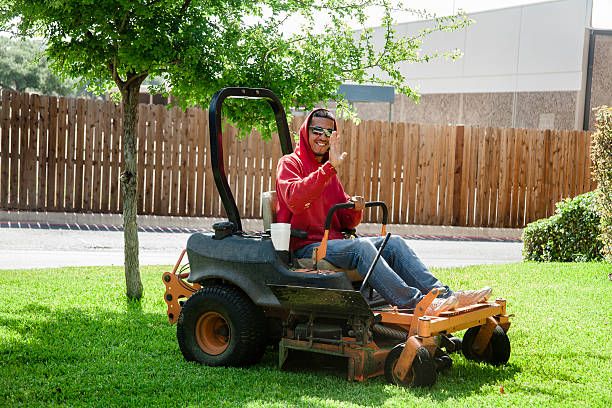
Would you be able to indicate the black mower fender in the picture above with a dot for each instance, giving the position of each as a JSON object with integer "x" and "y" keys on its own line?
{"x": 260, "y": 294}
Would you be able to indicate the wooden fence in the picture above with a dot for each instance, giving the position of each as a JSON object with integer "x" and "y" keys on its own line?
{"x": 60, "y": 154}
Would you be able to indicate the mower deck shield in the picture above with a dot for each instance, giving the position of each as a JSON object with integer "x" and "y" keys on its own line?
{"x": 322, "y": 301}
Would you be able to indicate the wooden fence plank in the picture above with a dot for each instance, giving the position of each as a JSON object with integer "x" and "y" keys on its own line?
{"x": 494, "y": 169}
{"x": 42, "y": 154}
{"x": 548, "y": 176}
{"x": 456, "y": 172}
{"x": 160, "y": 118}
{"x": 14, "y": 152}
{"x": 166, "y": 183}
{"x": 147, "y": 145}
{"x": 52, "y": 154}
{"x": 362, "y": 162}
{"x": 4, "y": 148}
{"x": 183, "y": 180}
{"x": 572, "y": 164}
{"x": 31, "y": 160}
{"x": 411, "y": 162}
{"x": 141, "y": 151}
{"x": 257, "y": 174}
{"x": 586, "y": 184}
{"x": 423, "y": 165}
{"x": 580, "y": 162}
{"x": 79, "y": 154}
{"x": 89, "y": 146}
{"x": 466, "y": 170}
{"x": 350, "y": 132}
{"x": 568, "y": 170}
{"x": 23, "y": 150}
{"x": 105, "y": 130}
{"x": 540, "y": 185}
{"x": 62, "y": 114}
{"x": 115, "y": 163}
{"x": 97, "y": 159}
{"x": 480, "y": 141}
{"x": 387, "y": 163}
{"x": 432, "y": 178}
{"x": 376, "y": 141}
{"x": 246, "y": 154}
{"x": 70, "y": 154}
{"x": 202, "y": 199}
{"x": 396, "y": 169}
{"x": 533, "y": 175}
{"x": 191, "y": 164}
{"x": 505, "y": 166}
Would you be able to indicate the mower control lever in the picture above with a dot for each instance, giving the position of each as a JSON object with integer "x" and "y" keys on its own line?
{"x": 367, "y": 276}
{"x": 321, "y": 250}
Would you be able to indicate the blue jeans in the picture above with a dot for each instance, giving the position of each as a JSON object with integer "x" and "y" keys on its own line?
{"x": 399, "y": 275}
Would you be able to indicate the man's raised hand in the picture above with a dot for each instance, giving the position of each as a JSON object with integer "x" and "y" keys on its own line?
{"x": 336, "y": 156}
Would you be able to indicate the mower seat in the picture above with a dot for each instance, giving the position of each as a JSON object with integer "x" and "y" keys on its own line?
{"x": 268, "y": 207}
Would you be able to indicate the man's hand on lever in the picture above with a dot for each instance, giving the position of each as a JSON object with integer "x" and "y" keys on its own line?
{"x": 359, "y": 202}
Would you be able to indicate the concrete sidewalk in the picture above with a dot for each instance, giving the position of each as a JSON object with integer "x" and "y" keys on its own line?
{"x": 190, "y": 224}
{"x": 30, "y": 243}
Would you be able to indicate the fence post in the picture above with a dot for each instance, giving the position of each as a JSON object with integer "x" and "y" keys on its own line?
{"x": 458, "y": 174}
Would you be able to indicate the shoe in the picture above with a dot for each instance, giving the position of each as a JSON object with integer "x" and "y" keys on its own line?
{"x": 440, "y": 305}
{"x": 470, "y": 297}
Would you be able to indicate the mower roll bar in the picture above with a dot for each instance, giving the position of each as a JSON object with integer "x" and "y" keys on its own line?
{"x": 216, "y": 139}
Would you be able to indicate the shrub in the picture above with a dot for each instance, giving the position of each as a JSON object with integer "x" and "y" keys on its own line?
{"x": 601, "y": 156}
{"x": 570, "y": 235}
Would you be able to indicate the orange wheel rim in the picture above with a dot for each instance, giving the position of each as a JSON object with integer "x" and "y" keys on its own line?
{"x": 212, "y": 333}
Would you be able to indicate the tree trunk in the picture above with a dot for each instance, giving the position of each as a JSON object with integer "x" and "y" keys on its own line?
{"x": 129, "y": 189}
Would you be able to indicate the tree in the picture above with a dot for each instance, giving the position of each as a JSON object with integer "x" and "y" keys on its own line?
{"x": 24, "y": 68}
{"x": 200, "y": 46}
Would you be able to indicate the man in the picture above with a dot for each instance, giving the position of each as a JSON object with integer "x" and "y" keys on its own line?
{"x": 307, "y": 187}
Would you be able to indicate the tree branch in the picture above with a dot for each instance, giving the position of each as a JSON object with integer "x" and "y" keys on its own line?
{"x": 113, "y": 69}
{"x": 3, "y": 85}
{"x": 140, "y": 76}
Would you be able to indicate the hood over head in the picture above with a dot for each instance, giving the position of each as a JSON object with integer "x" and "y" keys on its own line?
{"x": 303, "y": 149}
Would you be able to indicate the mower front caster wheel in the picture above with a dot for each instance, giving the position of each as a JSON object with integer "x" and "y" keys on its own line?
{"x": 422, "y": 373}
{"x": 220, "y": 326}
{"x": 497, "y": 351}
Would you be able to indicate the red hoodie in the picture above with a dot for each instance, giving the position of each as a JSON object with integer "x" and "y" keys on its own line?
{"x": 306, "y": 190}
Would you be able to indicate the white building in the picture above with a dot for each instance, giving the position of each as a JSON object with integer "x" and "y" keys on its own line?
{"x": 524, "y": 66}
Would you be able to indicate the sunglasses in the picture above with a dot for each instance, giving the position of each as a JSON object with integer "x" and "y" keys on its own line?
{"x": 318, "y": 130}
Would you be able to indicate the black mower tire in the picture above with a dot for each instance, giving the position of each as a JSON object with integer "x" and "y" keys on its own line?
{"x": 423, "y": 372}
{"x": 220, "y": 326}
{"x": 497, "y": 351}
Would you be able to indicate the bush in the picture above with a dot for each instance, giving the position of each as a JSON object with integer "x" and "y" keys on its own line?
{"x": 570, "y": 235}
{"x": 601, "y": 156}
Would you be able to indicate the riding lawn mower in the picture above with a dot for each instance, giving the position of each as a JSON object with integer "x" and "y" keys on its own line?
{"x": 237, "y": 295}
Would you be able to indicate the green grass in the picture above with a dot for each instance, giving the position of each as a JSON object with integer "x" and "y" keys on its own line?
{"x": 68, "y": 337}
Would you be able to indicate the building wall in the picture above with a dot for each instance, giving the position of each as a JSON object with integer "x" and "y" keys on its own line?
{"x": 540, "y": 110}
{"x": 522, "y": 67}
{"x": 601, "y": 90}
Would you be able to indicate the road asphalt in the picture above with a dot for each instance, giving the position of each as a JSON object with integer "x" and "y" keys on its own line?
{"x": 25, "y": 248}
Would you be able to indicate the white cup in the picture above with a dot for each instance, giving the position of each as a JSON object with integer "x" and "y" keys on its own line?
{"x": 281, "y": 233}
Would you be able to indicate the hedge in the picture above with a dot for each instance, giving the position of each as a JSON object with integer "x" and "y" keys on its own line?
{"x": 601, "y": 156}
{"x": 570, "y": 235}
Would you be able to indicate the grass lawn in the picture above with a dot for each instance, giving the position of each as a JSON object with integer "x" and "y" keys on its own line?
{"x": 68, "y": 337}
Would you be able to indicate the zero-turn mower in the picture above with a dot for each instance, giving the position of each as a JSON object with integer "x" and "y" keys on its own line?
{"x": 236, "y": 295}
